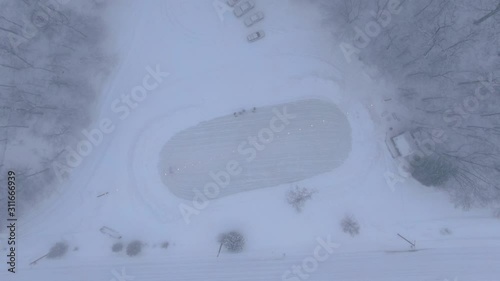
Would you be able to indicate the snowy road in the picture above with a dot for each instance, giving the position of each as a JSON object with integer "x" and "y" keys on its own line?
{"x": 460, "y": 264}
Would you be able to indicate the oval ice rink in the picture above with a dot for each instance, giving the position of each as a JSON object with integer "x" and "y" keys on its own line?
{"x": 256, "y": 148}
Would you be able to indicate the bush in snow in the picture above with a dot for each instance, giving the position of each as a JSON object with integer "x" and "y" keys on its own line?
{"x": 164, "y": 245}
{"x": 134, "y": 248}
{"x": 298, "y": 196}
{"x": 58, "y": 250}
{"x": 117, "y": 247}
{"x": 432, "y": 170}
{"x": 233, "y": 241}
{"x": 350, "y": 225}
{"x": 445, "y": 231}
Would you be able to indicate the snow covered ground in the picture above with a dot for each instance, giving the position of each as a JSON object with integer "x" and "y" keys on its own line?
{"x": 255, "y": 148}
{"x": 213, "y": 72}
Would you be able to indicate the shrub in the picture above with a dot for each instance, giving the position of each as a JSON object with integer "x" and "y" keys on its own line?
{"x": 58, "y": 250}
{"x": 117, "y": 247}
{"x": 350, "y": 225}
{"x": 298, "y": 196}
{"x": 445, "y": 231}
{"x": 233, "y": 241}
{"x": 165, "y": 245}
{"x": 432, "y": 170}
{"x": 134, "y": 248}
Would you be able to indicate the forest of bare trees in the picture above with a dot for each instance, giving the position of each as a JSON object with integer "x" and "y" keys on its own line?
{"x": 52, "y": 65}
{"x": 444, "y": 58}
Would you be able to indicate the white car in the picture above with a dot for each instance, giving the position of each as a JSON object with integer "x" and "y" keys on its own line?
{"x": 252, "y": 19}
{"x": 243, "y": 8}
{"x": 255, "y": 36}
{"x": 231, "y": 3}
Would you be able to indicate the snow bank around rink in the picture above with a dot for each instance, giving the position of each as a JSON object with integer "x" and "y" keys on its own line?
{"x": 148, "y": 187}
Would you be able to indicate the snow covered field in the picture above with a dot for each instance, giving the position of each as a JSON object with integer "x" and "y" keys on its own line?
{"x": 256, "y": 148}
{"x": 214, "y": 72}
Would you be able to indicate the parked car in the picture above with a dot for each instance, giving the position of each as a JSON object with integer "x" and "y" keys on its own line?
{"x": 243, "y": 8}
{"x": 231, "y": 3}
{"x": 255, "y": 17}
{"x": 255, "y": 36}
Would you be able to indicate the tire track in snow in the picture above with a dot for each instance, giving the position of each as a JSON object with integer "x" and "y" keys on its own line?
{"x": 474, "y": 264}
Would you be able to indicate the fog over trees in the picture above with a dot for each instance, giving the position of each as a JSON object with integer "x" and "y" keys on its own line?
{"x": 444, "y": 59}
{"x": 52, "y": 67}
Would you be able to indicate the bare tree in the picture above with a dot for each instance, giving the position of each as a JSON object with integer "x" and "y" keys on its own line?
{"x": 49, "y": 52}
{"x": 297, "y": 197}
{"x": 233, "y": 241}
{"x": 488, "y": 15}
{"x": 443, "y": 56}
{"x": 350, "y": 225}
{"x": 58, "y": 250}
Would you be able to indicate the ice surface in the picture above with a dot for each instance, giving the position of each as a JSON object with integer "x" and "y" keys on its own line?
{"x": 316, "y": 139}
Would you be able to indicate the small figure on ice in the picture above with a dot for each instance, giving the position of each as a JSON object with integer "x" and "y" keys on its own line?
{"x": 171, "y": 170}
